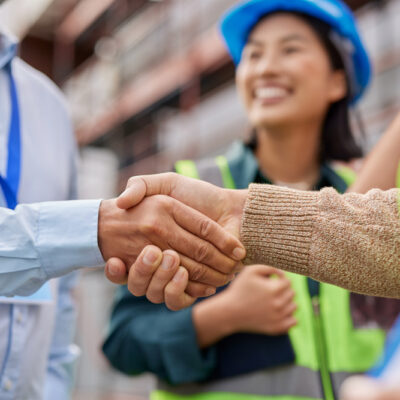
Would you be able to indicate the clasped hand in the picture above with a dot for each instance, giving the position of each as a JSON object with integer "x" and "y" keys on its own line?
{"x": 172, "y": 238}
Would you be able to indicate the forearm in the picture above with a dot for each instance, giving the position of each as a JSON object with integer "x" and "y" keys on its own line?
{"x": 381, "y": 166}
{"x": 212, "y": 321}
{"x": 45, "y": 240}
{"x": 350, "y": 240}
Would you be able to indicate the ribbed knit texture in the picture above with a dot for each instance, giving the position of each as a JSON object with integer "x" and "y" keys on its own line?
{"x": 351, "y": 240}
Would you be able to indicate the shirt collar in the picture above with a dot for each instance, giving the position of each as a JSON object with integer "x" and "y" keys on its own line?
{"x": 8, "y": 48}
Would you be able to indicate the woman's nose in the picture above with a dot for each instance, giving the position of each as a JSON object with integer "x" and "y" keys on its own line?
{"x": 269, "y": 64}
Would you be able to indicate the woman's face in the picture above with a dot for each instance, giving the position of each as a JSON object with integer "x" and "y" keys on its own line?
{"x": 285, "y": 75}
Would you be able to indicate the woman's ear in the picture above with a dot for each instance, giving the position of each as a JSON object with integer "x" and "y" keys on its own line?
{"x": 338, "y": 86}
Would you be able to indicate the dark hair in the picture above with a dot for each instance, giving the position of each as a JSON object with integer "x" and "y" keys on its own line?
{"x": 337, "y": 141}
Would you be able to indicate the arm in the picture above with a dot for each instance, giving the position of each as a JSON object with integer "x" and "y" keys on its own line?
{"x": 339, "y": 239}
{"x": 46, "y": 240}
{"x": 148, "y": 337}
{"x": 381, "y": 166}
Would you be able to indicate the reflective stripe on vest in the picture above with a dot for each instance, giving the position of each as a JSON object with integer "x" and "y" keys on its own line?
{"x": 347, "y": 350}
{"x": 290, "y": 381}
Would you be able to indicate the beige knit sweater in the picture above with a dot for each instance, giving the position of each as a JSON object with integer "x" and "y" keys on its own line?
{"x": 350, "y": 240}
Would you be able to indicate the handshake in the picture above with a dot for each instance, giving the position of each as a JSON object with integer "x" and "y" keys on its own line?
{"x": 172, "y": 238}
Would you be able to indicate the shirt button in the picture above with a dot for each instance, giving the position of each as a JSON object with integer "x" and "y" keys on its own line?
{"x": 7, "y": 385}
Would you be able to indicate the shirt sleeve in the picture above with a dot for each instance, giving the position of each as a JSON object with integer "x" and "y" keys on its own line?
{"x": 63, "y": 353}
{"x": 146, "y": 337}
{"x": 46, "y": 240}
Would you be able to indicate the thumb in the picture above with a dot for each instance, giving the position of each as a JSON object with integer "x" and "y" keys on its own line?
{"x": 139, "y": 187}
{"x": 134, "y": 193}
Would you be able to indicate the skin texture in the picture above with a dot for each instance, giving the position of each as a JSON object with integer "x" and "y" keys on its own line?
{"x": 167, "y": 223}
{"x": 266, "y": 306}
{"x": 206, "y": 198}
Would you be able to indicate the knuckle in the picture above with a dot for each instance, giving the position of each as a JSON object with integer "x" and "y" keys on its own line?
{"x": 198, "y": 273}
{"x": 136, "y": 290}
{"x": 201, "y": 252}
{"x": 155, "y": 298}
{"x": 205, "y": 228}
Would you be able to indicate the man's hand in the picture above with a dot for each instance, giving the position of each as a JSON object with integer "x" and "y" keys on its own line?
{"x": 207, "y": 251}
{"x": 221, "y": 205}
{"x": 364, "y": 388}
{"x": 157, "y": 275}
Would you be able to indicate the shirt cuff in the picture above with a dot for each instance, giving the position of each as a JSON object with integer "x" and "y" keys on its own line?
{"x": 66, "y": 236}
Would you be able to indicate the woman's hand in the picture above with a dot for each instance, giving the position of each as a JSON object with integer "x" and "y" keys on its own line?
{"x": 259, "y": 300}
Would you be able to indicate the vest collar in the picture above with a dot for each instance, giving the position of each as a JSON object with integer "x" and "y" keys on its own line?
{"x": 245, "y": 169}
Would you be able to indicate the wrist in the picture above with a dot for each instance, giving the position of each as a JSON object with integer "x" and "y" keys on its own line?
{"x": 105, "y": 231}
{"x": 213, "y": 320}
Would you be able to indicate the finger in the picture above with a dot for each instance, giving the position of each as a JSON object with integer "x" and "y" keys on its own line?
{"x": 196, "y": 289}
{"x": 288, "y": 323}
{"x": 141, "y": 272}
{"x": 207, "y": 229}
{"x": 280, "y": 285}
{"x": 175, "y": 296}
{"x": 289, "y": 310}
{"x": 285, "y": 325}
{"x": 147, "y": 185}
{"x": 201, "y": 273}
{"x": 199, "y": 250}
{"x": 286, "y": 299}
{"x": 163, "y": 274}
{"x": 116, "y": 271}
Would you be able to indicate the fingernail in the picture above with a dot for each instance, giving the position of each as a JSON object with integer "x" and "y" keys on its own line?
{"x": 167, "y": 262}
{"x": 179, "y": 275}
{"x": 150, "y": 257}
{"x": 113, "y": 270}
{"x": 231, "y": 277}
{"x": 210, "y": 291}
{"x": 239, "y": 253}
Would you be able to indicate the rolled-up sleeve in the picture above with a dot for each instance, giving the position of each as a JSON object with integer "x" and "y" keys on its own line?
{"x": 46, "y": 240}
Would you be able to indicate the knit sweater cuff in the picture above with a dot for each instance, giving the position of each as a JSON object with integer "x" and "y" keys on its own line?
{"x": 277, "y": 226}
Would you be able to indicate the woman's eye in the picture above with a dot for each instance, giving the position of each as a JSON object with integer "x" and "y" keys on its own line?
{"x": 252, "y": 55}
{"x": 291, "y": 50}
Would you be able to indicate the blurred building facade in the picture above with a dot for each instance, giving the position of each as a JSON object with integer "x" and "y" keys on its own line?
{"x": 148, "y": 83}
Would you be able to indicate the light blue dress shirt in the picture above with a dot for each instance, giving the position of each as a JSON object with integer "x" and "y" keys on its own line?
{"x": 40, "y": 240}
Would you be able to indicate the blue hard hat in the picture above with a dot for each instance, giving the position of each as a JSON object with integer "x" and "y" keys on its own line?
{"x": 239, "y": 21}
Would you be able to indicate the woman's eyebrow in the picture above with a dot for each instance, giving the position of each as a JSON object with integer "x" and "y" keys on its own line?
{"x": 294, "y": 36}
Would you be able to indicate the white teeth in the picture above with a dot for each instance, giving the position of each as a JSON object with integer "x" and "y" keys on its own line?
{"x": 270, "y": 92}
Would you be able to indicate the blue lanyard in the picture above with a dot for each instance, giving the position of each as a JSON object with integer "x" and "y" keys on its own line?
{"x": 10, "y": 183}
